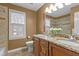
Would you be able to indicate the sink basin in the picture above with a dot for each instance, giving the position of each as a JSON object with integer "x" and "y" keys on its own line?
{"x": 73, "y": 41}
{"x": 69, "y": 42}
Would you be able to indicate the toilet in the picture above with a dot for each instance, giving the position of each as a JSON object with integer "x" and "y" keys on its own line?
{"x": 29, "y": 46}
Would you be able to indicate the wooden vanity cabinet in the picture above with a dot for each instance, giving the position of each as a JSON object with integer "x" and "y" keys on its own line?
{"x": 56, "y": 50}
{"x": 40, "y": 47}
{"x": 44, "y": 48}
{"x": 50, "y": 49}
{"x": 36, "y": 48}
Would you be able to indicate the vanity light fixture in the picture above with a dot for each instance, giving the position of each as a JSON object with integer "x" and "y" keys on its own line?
{"x": 59, "y": 5}
{"x": 55, "y": 7}
{"x": 48, "y": 10}
{"x": 51, "y": 6}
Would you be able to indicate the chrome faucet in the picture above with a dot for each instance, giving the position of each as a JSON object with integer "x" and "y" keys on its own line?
{"x": 72, "y": 37}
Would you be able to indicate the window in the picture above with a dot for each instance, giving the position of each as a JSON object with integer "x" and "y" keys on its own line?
{"x": 17, "y": 24}
{"x": 47, "y": 24}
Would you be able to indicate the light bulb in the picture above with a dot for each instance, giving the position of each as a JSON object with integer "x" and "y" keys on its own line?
{"x": 46, "y": 10}
{"x": 49, "y": 11}
{"x": 54, "y": 8}
{"x": 51, "y": 7}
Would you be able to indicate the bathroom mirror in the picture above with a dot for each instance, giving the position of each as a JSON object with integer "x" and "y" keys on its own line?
{"x": 58, "y": 16}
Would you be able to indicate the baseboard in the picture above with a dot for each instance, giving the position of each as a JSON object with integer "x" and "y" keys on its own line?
{"x": 17, "y": 49}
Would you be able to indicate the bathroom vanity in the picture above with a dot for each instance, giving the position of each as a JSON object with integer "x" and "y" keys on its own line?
{"x": 57, "y": 46}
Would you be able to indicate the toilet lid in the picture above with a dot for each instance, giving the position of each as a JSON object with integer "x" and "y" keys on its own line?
{"x": 29, "y": 42}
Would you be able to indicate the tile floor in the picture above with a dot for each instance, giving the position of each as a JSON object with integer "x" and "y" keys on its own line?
{"x": 22, "y": 52}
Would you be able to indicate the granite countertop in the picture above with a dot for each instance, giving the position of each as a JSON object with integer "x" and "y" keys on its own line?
{"x": 55, "y": 40}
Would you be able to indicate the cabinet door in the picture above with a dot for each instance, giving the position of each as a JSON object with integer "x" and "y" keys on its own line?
{"x": 58, "y": 52}
{"x": 43, "y": 48}
{"x": 50, "y": 49}
{"x": 36, "y": 46}
{"x": 55, "y": 50}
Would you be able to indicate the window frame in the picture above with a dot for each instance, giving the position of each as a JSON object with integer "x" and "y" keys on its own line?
{"x": 24, "y": 35}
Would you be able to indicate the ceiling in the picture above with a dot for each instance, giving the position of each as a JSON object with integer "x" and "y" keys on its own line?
{"x": 35, "y": 6}
{"x": 31, "y": 6}
{"x": 65, "y": 10}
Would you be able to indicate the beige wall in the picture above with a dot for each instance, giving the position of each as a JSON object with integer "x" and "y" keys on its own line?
{"x": 4, "y": 28}
{"x": 40, "y": 19}
{"x": 30, "y": 27}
